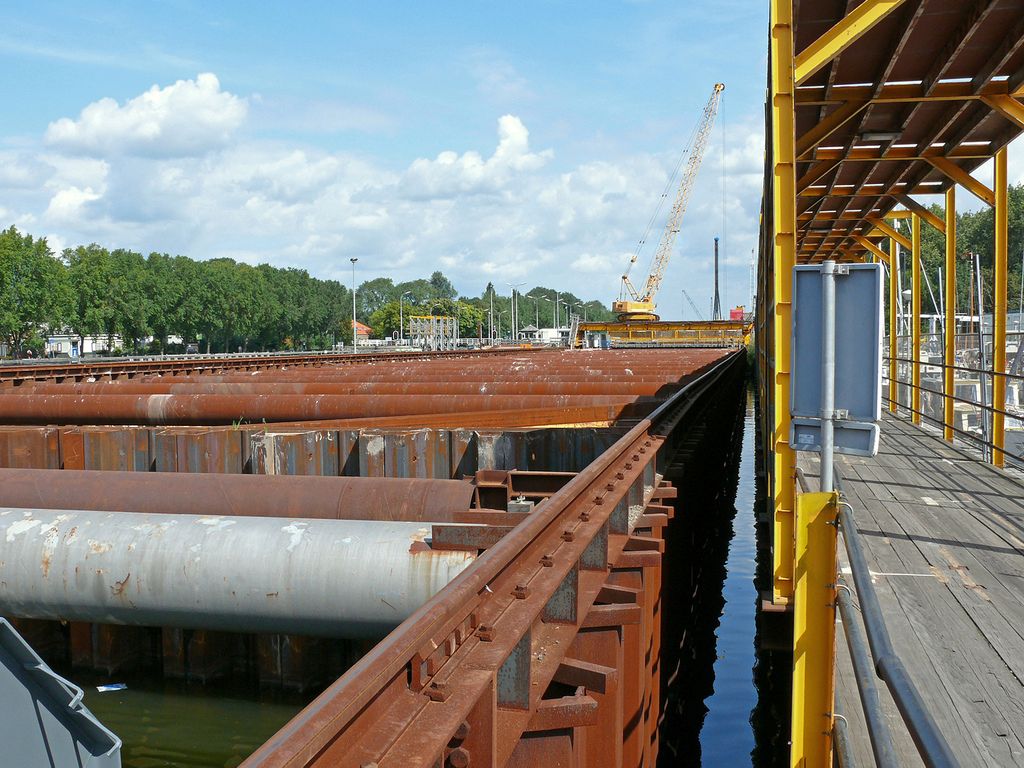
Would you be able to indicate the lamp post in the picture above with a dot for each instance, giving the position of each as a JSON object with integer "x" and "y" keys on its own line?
{"x": 557, "y": 312}
{"x": 499, "y": 313}
{"x": 554, "y": 323}
{"x": 354, "y": 349}
{"x": 514, "y": 320}
{"x": 537, "y": 309}
{"x": 401, "y": 319}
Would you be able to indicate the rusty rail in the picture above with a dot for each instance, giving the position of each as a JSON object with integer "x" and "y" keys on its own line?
{"x": 130, "y": 368}
{"x": 545, "y": 611}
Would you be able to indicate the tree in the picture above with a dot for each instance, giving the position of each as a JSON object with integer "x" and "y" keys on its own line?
{"x": 91, "y": 272}
{"x": 372, "y": 295}
{"x": 34, "y": 291}
{"x": 443, "y": 288}
{"x": 131, "y": 296}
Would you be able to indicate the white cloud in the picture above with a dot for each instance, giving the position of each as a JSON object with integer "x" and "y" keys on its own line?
{"x": 187, "y": 118}
{"x": 508, "y": 213}
{"x": 450, "y": 174}
{"x": 68, "y": 205}
{"x": 496, "y": 78}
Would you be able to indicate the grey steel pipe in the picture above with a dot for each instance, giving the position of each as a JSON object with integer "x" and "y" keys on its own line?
{"x": 350, "y": 498}
{"x": 928, "y": 737}
{"x": 331, "y": 578}
{"x": 828, "y": 371}
{"x": 863, "y": 671}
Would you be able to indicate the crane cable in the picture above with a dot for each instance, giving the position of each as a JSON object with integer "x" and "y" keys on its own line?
{"x": 669, "y": 186}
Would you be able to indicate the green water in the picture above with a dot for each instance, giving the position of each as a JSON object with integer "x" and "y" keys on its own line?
{"x": 187, "y": 726}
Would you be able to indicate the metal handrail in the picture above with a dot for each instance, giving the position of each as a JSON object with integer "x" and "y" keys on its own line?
{"x": 863, "y": 670}
{"x": 931, "y": 744}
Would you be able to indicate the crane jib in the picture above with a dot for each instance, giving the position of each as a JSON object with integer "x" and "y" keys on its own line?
{"x": 643, "y": 300}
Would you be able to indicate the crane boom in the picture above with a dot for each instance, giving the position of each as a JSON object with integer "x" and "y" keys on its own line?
{"x": 639, "y": 304}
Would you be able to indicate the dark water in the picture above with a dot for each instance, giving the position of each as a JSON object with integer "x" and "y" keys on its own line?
{"x": 165, "y": 725}
{"x": 727, "y": 737}
{"x": 726, "y": 693}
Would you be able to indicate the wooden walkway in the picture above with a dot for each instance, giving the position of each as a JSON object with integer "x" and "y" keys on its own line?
{"x": 944, "y": 535}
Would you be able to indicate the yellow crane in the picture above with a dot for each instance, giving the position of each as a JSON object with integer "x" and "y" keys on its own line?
{"x": 636, "y": 304}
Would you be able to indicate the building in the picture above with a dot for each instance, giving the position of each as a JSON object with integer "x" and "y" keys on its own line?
{"x": 362, "y": 332}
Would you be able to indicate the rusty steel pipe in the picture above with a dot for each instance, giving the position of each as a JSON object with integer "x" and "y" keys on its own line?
{"x": 347, "y": 498}
{"x": 331, "y": 578}
{"x": 450, "y": 387}
{"x": 228, "y": 409}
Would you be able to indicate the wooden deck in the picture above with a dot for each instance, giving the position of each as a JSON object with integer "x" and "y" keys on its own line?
{"x": 944, "y": 535}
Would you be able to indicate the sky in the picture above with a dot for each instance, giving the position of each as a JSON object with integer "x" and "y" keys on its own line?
{"x": 523, "y": 142}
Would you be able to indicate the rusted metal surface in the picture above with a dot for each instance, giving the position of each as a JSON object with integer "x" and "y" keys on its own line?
{"x": 331, "y": 578}
{"x": 236, "y": 409}
{"x": 545, "y": 650}
{"x": 480, "y": 656}
{"x": 84, "y": 370}
{"x": 349, "y": 498}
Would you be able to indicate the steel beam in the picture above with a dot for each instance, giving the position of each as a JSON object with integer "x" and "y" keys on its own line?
{"x": 841, "y": 36}
{"x": 814, "y": 628}
{"x": 209, "y": 493}
{"x": 783, "y": 243}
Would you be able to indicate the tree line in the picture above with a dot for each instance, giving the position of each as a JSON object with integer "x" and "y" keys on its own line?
{"x": 975, "y": 234}
{"x": 222, "y": 304}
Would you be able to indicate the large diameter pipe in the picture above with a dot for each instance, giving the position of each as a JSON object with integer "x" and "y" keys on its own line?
{"x": 451, "y": 386}
{"x": 330, "y": 578}
{"x": 228, "y": 409}
{"x": 351, "y": 498}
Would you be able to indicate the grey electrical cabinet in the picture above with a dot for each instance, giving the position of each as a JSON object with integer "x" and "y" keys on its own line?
{"x": 858, "y": 352}
{"x": 44, "y": 721}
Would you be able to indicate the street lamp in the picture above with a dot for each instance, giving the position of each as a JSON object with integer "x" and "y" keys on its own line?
{"x": 354, "y": 260}
{"x": 401, "y": 319}
{"x": 536, "y": 309}
{"x": 499, "y": 313}
{"x": 554, "y": 324}
{"x": 515, "y": 312}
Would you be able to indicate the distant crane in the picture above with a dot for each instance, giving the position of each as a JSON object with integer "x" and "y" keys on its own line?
{"x": 636, "y": 304}
{"x": 692, "y": 305}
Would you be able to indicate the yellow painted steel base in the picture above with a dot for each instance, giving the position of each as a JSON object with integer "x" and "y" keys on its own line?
{"x": 670, "y": 333}
{"x": 814, "y": 630}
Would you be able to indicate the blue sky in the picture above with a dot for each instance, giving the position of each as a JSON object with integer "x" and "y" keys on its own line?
{"x": 517, "y": 141}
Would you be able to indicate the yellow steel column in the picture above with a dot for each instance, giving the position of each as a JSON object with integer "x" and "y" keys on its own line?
{"x": 915, "y": 319}
{"x": 949, "y": 353}
{"x": 814, "y": 630}
{"x": 999, "y": 311}
{"x": 893, "y": 324}
{"x": 783, "y": 261}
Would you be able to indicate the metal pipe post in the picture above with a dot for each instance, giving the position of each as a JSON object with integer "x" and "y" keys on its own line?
{"x": 828, "y": 370}
{"x": 985, "y": 420}
{"x": 949, "y": 351}
{"x": 999, "y": 268}
{"x": 894, "y": 303}
{"x": 354, "y": 260}
{"x": 915, "y": 319}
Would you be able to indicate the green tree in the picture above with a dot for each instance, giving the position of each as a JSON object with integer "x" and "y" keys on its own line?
{"x": 34, "y": 293}
{"x": 372, "y": 295}
{"x": 443, "y": 288}
{"x": 93, "y": 311}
